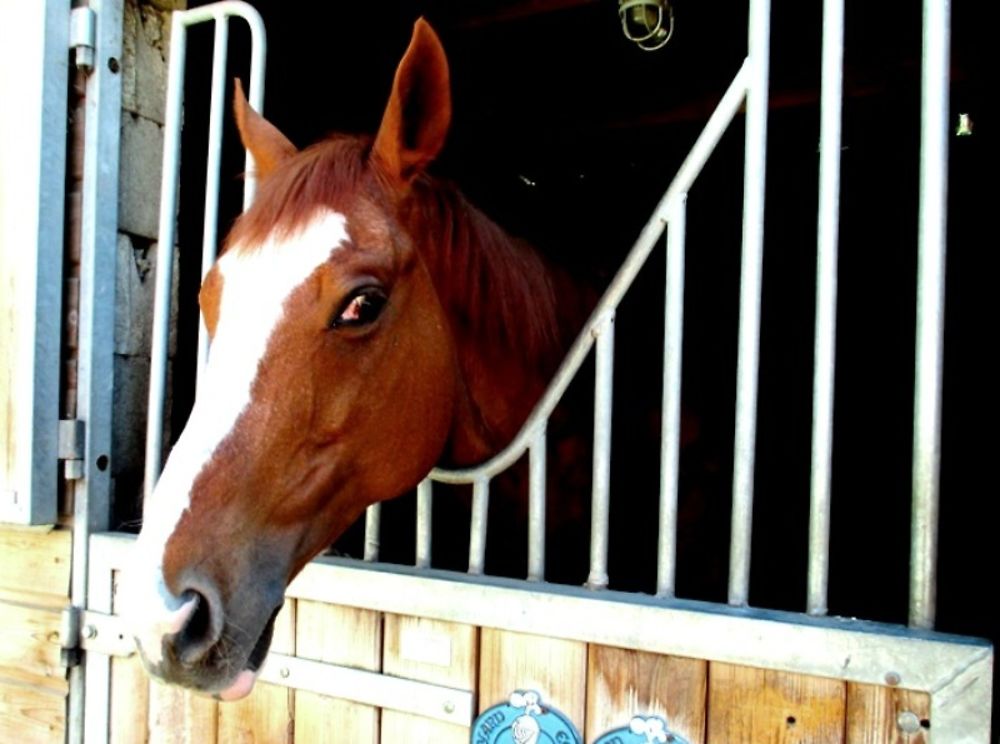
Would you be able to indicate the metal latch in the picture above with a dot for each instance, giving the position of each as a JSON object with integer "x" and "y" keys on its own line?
{"x": 83, "y": 36}
{"x": 85, "y": 630}
{"x": 72, "y": 447}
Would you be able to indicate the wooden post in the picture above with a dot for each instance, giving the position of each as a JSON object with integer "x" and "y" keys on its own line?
{"x": 873, "y": 715}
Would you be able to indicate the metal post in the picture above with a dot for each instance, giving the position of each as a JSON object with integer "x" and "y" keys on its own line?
{"x": 477, "y": 536}
{"x": 750, "y": 284}
{"x": 601, "y": 499}
{"x": 536, "y": 506}
{"x": 424, "y": 523}
{"x": 930, "y": 310}
{"x": 373, "y": 528}
{"x": 670, "y": 434}
{"x": 826, "y": 304}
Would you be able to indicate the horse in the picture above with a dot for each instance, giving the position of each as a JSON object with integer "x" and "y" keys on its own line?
{"x": 367, "y": 323}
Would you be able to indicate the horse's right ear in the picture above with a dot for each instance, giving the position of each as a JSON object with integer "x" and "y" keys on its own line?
{"x": 267, "y": 145}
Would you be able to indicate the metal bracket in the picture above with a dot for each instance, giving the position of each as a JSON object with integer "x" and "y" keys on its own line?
{"x": 72, "y": 447}
{"x": 83, "y": 36}
{"x": 83, "y": 630}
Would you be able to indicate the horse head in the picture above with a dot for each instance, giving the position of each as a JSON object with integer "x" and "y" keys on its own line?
{"x": 333, "y": 383}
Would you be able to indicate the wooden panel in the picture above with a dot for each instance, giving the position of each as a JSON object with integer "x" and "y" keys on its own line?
{"x": 35, "y": 560}
{"x": 337, "y": 635}
{"x": 266, "y": 715}
{"x": 873, "y": 712}
{"x": 180, "y": 717}
{"x": 758, "y": 706}
{"x": 623, "y": 683}
{"x": 555, "y": 668}
{"x": 129, "y": 707}
{"x": 29, "y": 646}
{"x": 29, "y": 715}
{"x": 430, "y": 651}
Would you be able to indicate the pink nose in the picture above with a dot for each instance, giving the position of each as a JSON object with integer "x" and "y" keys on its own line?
{"x": 184, "y": 634}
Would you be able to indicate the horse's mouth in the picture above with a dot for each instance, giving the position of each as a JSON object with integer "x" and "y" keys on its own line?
{"x": 243, "y": 684}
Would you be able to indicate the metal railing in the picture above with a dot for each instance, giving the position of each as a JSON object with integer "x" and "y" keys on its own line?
{"x": 748, "y": 88}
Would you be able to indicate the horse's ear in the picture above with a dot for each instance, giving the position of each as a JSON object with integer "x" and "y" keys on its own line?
{"x": 267, "y": 145}
{"x": 417, "y": 116}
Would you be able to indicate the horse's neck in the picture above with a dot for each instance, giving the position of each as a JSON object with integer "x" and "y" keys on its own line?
{"x": 513, "y": 317}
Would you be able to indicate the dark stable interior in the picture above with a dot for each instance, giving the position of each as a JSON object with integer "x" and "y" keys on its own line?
{"x": 567, "y": 134}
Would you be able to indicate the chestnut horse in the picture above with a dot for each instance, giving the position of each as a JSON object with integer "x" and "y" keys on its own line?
{"x": 367, "y": 323}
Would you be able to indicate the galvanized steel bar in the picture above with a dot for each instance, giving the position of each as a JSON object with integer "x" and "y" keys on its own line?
{"x": 373, "y": 531}
{"x": 424, "y": 523}
{"x": 538, "y": 455}
{"x": 180, "y": 21}
{"x": 670, "y": 434}
{"x": 831, "y": 99}
{"x": 930, "y": 310}
{"x": 477, "y": 528}
{"x": 703, "y": 147}
{"x": 214, "y": 161}
{"x": 210, "y": 226}
{"x": 600, "y": 506}
{"x": 750, "y": 285}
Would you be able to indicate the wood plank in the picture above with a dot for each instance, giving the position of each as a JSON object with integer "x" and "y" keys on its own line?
{"x": 178, "y": 716}
{"x": 267, "y": 714}
{"x": 430, "y": 651}
{"x": 33, "y": 599}
{"x": 555, "y": 668}
{"x": 337, "y": 635}
{"x": 760, "y": 706}
{"x": 129, "y": 705}
{"x": 28, "y": 715}
{"x": 873, "y": 712}
{"x": 623, "y": 683}
{"x": 29, "y": 643}
{"x": 35, "y": 560}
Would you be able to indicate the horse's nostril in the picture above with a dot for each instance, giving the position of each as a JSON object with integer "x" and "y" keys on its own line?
{"x": 199, "y": 634}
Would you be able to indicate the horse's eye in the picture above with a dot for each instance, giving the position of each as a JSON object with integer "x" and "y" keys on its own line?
{"x": 361, "y": 308}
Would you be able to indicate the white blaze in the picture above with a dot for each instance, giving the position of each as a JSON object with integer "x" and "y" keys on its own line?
{"x": 255, "y": 284}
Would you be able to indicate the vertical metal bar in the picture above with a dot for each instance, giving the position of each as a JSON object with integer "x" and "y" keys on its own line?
{"x": 536, "y": 506}
{"x": 373, "y": 530}
{"x": 165, "y": 252}
{"x": 826, "y": 304}
{"x": 670, "y": 435}
{"x": 477, "y": 535}
{"x": 258, "y": 51}
{"x": 750, "y": 284}
{"x": 601, "y": 498}
{"x": 930, "y": 310}
{"x": 425, "y": 510}
{"x": 95, "y": 364}
{"x": 210, "y": 227}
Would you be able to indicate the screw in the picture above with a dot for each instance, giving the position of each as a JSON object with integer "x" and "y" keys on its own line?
{"x": 284, "y": 673}
{"x": 892, "y": 679}
{"x": 89, "y": 631}
{"x": 908, "y": 722}
{"x": 449, "y": 706}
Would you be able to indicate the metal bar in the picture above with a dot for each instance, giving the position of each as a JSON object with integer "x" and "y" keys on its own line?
{"x": 210, "y": 226}
{"x": 826, "y": 304}
{"x": 180, "y": 21}
{"x": 703, "y": 147}
{"x": 165, "y": 252}
{"x": 373, "y": 530}
{"x": 750, "y": 284}
{"x": 600, "y": 506}
{"x": 477, "y": 529}
{"x": 538, "y": 455}
{"x": 930, "y": 310}
{"x": 95, "y": 362}
{"x": 670, "y": 435}
{"x": 425, "y": 510}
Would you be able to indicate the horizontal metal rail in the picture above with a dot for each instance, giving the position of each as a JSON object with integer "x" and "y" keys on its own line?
{"x": 181, "y": 20}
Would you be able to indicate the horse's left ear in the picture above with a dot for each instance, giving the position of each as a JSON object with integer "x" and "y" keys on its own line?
{"x": 417, "y": 116}
{"x": 264, "y": 140}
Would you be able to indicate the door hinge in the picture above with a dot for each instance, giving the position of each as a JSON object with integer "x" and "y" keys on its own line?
{"x": 72, "y": 447}
{"x": 84, "y": 630}
{"x": 83, "y": 36}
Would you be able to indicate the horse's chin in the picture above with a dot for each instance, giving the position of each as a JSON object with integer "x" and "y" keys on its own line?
{"x": 241, "y": 686}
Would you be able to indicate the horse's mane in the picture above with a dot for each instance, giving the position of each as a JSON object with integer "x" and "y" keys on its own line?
{"x": 497, "y": 290}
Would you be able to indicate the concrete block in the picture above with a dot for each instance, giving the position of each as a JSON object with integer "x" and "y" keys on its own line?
{"x": 135, "y": 294}
{"x": 145, "y": 48}
{"x": 139, "y": 175}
